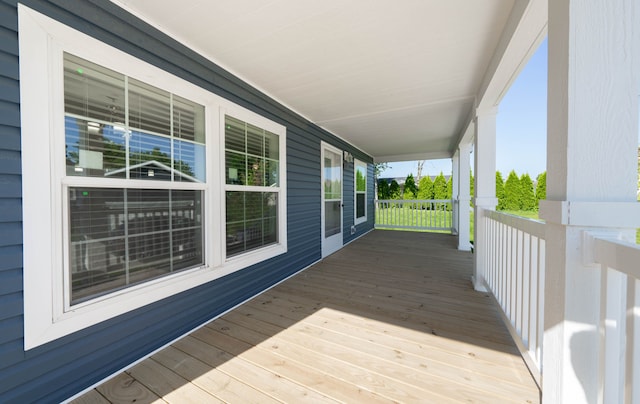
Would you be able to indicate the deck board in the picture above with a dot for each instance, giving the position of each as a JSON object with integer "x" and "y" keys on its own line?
{"x": 391, "y": 317}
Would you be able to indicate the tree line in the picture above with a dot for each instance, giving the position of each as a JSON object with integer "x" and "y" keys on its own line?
{"x": 516, "y": 193}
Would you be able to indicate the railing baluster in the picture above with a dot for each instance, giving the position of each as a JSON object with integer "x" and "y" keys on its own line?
{"x": 632, "y": 375}
{"x": 515, "y": 275}
{"x": 414, "y": 214}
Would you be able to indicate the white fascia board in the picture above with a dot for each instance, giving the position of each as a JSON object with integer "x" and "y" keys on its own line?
{"x": 412, "y": 157}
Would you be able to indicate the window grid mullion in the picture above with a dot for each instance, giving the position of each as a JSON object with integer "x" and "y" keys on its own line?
{"x": 127, "y": 133}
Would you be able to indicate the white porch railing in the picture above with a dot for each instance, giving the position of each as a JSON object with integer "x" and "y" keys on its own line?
{"x": 515, "y": 277}
{"x": 434, "y": 214}
{"x": 619, "y": 373}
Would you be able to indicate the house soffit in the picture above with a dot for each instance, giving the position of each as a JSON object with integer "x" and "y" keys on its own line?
{"x": 394, "y": 79}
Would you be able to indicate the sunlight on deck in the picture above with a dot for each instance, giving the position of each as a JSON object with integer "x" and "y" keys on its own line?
{"x": 391, "y": 317}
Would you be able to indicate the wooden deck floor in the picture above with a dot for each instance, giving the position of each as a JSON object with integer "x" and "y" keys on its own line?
{"x": 390, "y": 318}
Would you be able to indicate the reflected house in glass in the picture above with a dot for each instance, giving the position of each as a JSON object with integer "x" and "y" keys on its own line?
{"x": 152, "y": 170}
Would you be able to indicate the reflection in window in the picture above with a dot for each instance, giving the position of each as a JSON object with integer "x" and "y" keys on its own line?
{"x": 360, "y": 191}
{"x": 251, "y": 159}
{"x": 121, "y": 237}
{"x": 252, "y": 220}
{"x": 251, "y": 154}
{"x": 120, "y": 127}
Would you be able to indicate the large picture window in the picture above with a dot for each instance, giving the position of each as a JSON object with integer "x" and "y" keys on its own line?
{"x": 120, "y": 128}
{"x": 360, "y": 182}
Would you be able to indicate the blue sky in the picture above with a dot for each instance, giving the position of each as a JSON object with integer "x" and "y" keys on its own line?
{"x": 521, "y": 127}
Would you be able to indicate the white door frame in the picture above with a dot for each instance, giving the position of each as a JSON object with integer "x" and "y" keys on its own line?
{"x": 334, "y": 241}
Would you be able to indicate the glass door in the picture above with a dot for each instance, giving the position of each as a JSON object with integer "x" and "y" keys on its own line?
{"x": 331, "y": 199}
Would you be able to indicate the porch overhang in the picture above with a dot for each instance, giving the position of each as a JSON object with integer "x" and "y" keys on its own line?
{"x": 399, "y": 82}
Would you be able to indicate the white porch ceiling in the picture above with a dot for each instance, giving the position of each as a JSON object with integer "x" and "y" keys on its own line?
{"x": 398, "y": 79}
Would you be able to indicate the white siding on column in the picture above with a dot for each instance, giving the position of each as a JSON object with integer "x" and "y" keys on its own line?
{"x": 591, "y": 157}
{"x": 464, "y": 197}
{"x": 485, "y": 187}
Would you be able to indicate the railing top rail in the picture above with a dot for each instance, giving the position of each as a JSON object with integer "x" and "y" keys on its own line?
{"x": 617, "y": 254}
{"x": 414, "y": 200}
{"x": 534, "y": 227}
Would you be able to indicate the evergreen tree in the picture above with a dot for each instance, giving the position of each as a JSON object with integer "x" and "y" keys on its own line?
{"x": 440, "y": 187}
{"x": 471, "y": 186}
{"x": 394, "y": 190}
{"x": 528, "y": 201}
{"x": 410, "y": 189}
{"x": 499, "y": 191}
{"x": 425, "y": 188}
{"x": 512, "y": 192}
{"x": 541, "y": 188}
{"x": 449, "y": 191}
{"x": 383, "y": 190}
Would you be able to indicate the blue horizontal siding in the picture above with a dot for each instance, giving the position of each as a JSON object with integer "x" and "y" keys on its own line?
{"x": 8, "y": 17}
{"x": 9, "y": 66}
{"x": 10, "y": 137}
{"x": 61, "y": 368}
{"x": 10, "y": 162}
{"x": 11, "y": 354}
{"x": 10, "y": 257}
{"x": 11, "y": 305}
{"x": 10, "y": 327}
{"x": 8, "y": 41}
{"x": 11, "y": 233}
{"x": 10, "y": 209}
{"x": 9, "y": 90}
{"x": 9, "y": 112}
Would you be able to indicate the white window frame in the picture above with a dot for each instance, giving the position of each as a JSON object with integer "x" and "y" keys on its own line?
{"x": 42, "y": 42}
{"x": 356, "y": 219}
{"x": 263, "y": 253}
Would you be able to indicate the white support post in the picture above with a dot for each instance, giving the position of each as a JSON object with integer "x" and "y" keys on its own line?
{"x": 455, "y": 209}
{"x": 591, "y": 157}
{"x": 484, "y": 189}
{"x": 464, "y": 197}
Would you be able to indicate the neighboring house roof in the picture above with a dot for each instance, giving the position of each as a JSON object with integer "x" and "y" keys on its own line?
{"x": 155, "y": 163}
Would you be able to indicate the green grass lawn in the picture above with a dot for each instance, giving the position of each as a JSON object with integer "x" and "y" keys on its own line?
{"x": 413, "y": 217}
{"x": 534, "y": 215}
{"x": 406, "y": 216}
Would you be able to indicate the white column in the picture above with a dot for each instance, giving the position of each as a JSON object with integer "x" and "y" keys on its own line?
{"x": 464, "y": 197}
{"x": 591, "y": 157}
{"x": 455, "y": 209}
{"x": 484, "y": 188}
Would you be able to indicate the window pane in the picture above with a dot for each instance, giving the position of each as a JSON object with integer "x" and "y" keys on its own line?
{"x": 188, "y": 120}
{"x": 332, "y": 218}
{"x": 97, "y": 241}
{"x": 149, "y": 157}
{"x": 271, "y": 173}
{"x": 186, "y": 211}
{"x": 251, "y": 220}
{"x": 234, "y": 135}
{"x": 360, "y": 205}
{"x": 94, "y": 149}
{"x": 332, "y": 175}
{"x": 188, "y": 161}
{"x": 270, "y": 218}
{"x": 255, "y": 173}
{"x": 255, "y": 140}
{"x": 149, "y": 108}
{"x": 236, "y": 164}
{"x": 92, "y": 91}
{"x": 123, "y": 237}
{"x": 361, "y": 177}
{"x": 272, "y": 146}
